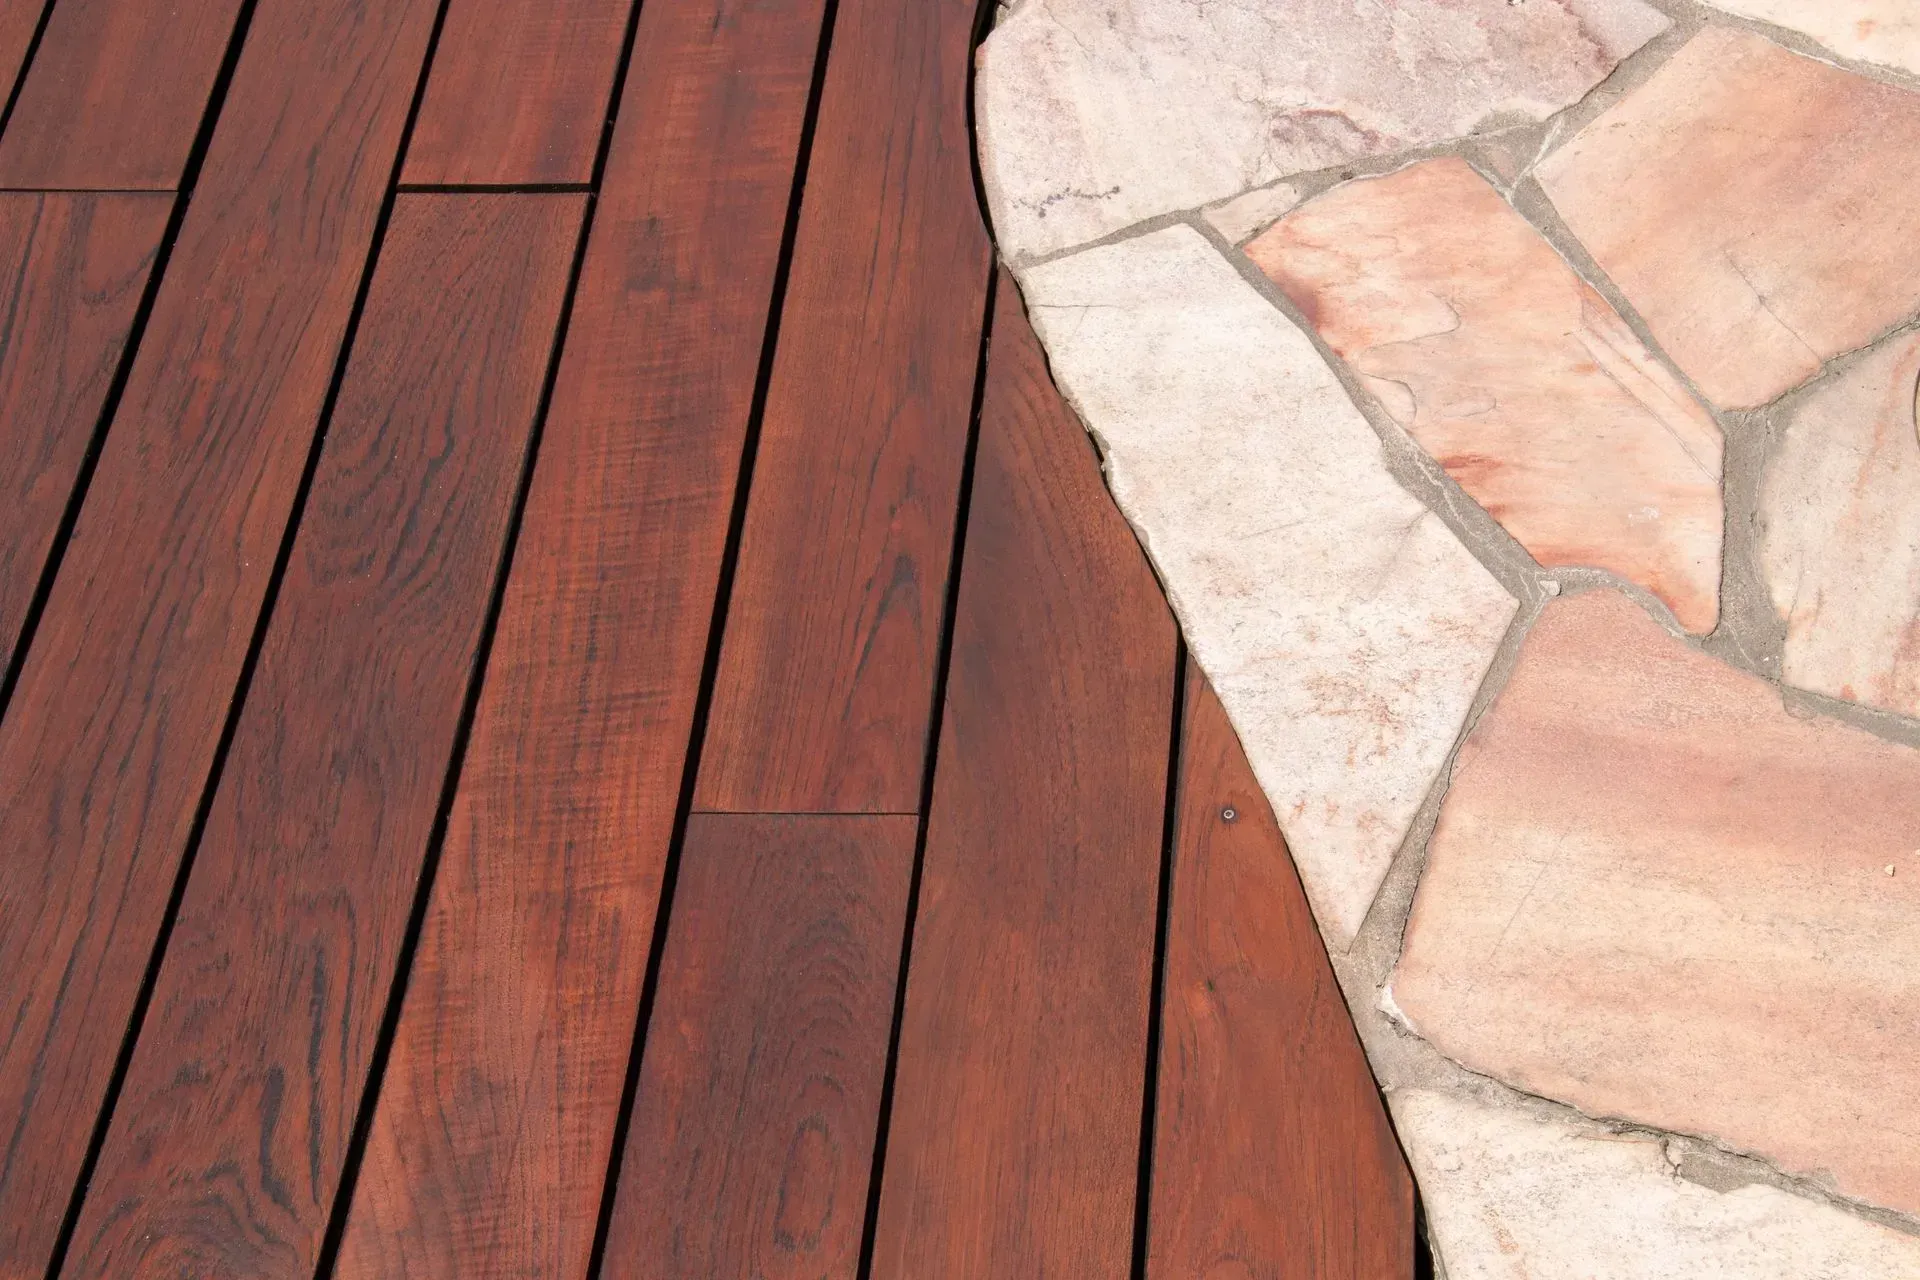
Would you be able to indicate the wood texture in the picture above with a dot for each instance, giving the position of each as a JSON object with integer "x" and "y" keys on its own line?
{"x": 1272, "y": 1154}
{"x": 18, "y": 21}
{"x": 117, "y": 90}
{"x": 826, "y": 679}
{"x": 519, "y": 92}
{"x": 753, "y": 1128}
{"x": 495, "y": 1125}
{"x": 72, "y": 268}
{"x": 1014, "y": 1145}
{"x": 105, "y": 750}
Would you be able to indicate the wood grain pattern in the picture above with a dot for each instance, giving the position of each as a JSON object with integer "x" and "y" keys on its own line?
{"x": 229, "y": 1135}
{"x": 753, "y": 1128}
{"x": 519, "y": 92}
{"x": 105, "y": 750}
{"x": 495, "y": 1124}
{"x": 1272, "y": 1153}
{"x": 116, "y": 93}
{"x": 826, "y": 680}
{"x": 1014, "y": 1144}
{"x": 18, "y": 21}
{"x": 72, "y": 268}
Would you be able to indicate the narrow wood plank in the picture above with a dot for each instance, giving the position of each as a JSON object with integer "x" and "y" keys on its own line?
{"x": 753, "y": 1128}
{"x": 18, "y": 21}
{"x": 229, "y": 1135}
{"x": 116, "y": 93}
{"x": 72, "y": 269}
{"x": 105, "y": 750}
{"x": 826, "y": 679}
{"x": 1014, "y": 1144}
{"x": 519, "y": 92}
{"x": 490, "y": 1147}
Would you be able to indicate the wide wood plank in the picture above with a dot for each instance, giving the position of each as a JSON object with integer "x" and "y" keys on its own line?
{"x": 105, "y": 750}
{"x": 117, "y": 90}
{"x": 753, "y": 1128}
{"x": 72, "y": 269}
{"x": 229, "y": 1135}
{"x": 519, "y": 92}
{"x": 490, "y": 1147}
{"x": 1272, "y": 1154}
{"x": 826, "y": 680}
{"x": 18, "y": 21}
{"x": 1015, "y": 1138}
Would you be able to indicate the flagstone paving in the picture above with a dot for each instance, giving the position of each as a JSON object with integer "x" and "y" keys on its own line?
{"x": 1882, "y": 31}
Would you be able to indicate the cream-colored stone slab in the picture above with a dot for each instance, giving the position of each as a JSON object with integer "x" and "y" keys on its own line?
{"x": 1656, "y": 895}
{"x": 1513, "y": 1197}
{"x": 1239, "y": 218}
{"x": 1096, "y": 114}
{"x": 1750, "y": 203}
{"x": 1882, "y": 31}
{"x": 1345, "y": 628}
{"x": 1840, "y": 507}
{"x": 1513, "y": 374}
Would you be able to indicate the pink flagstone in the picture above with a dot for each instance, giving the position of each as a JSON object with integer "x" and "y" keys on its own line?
{"x": 1657, "y": 896}
{"x": 1513, "y": 373}
{"x": 1750, "y": 203}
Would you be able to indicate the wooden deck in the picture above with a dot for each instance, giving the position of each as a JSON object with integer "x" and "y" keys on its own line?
{"x": 574, "y": 702}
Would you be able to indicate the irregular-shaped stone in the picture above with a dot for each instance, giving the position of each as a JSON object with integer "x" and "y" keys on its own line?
{"x": 1513, "y": 374}
{"x": 1514, "y": 1197}
{"x": 1096, "y": 114}
{"x": 1239, "y": 218}
{"x": 1882, "y": 31}
{"x": 1343, "y": 626}
{"x": 1655, "y": 895}
{"x": 1748, "y": 202}
{"x": 1840, "y": 507}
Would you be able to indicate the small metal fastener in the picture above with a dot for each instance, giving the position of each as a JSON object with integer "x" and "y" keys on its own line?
{"x": 1229, "y": 813}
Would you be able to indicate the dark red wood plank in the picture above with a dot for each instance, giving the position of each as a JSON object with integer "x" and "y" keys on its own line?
{"x": 18, "y": 20}
{"x": 753, "y": 1128}
{"x": 229, "y": 1135}
{"x": 826, "y": 680}
{"x": 519, "y": 92}
{"x": 1272, "y": 1153}
{"x": 72, "y": 268}
{"x": 490, "y": 1147}
{"x": 116, "y": 93}
{"x": 106, "y": 747}
{"x": 1015, "y": 1137}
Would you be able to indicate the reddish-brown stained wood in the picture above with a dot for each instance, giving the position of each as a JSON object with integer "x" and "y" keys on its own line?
{"x": 1272, "y": 1154}
{"x": 228, "y": 1138}
{"x": 117, "y": 90}
{"x": 18, "y": 19}
{"x": 826, "y": 678}
{"x": 72, "y": 268}
{"x": 753, "y": 1127}
{"x": 1015, "y": 1138}
{"x": 519, "y": 92}
{"x": 105, "y": 750}
{"x": 489, "y": 1150}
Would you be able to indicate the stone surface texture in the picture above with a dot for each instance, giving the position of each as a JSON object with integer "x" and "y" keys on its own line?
{"x": 1655, "y": 895}
{"x": 1513, "y": 373}
{"x": 1344, "y": 626}
{"x": 1746, "y": 202}
{"x": 1097, "y": 114}
{"x": 1841, "y": 509}
{"x": 1882, "y": 31}
{"x": 1514, "y": 1197}
{"x": 1239, "y": 218}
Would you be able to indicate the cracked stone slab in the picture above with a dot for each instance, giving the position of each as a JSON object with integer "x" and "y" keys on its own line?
{"x": 1513, "y": 374}
{"x": 1097, "y": 114}
{"x": 1511, "y": 1196}
{"x": 1748, "y": 202}
{"x": 1343, "y": 625}
{"x": 1886, "y": 32}
{"x": 1656, "y": 895}
{"x": 1840, "y": 509}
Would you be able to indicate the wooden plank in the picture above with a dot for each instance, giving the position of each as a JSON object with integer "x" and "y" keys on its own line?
{"x": 120, "y": 705}
{"x": 1272, "y": 1153}
{"x": 490, "y": 1147}
{"x": 18, "y": 21}
{"x": 72, "y": 269}
{"x": 1015, "y": 1138}
{"x": 519, "y": 92}
{"x": 116, "y": 93}
{"x": 229, "y": 1135}
{"x": 753, "y": 1127}
{"x": 826, "y": 679}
